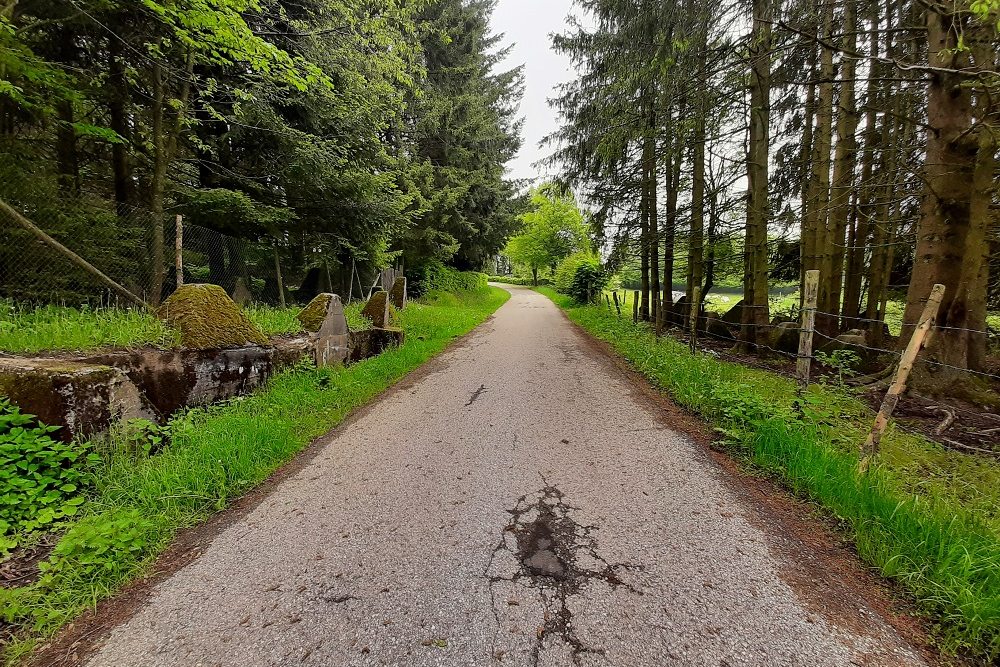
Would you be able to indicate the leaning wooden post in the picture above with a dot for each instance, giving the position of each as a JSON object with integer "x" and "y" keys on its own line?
{"x": 350, "y": 291}
{"x": 694, "y": 309}
{"x": 277, "y": 274}
{"x": 635, "y": 307}
{"x": 69, "y": 254}
{"x": 179, "y": 249}
{"x": 804, "y": 362}
{"x": 924, "y": 326}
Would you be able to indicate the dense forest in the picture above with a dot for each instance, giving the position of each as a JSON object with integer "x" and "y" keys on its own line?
{"x": 316, "y": 135}
{"x": 763, "y": 139}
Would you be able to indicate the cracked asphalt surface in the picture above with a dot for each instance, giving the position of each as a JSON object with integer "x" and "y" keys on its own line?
{"x": 515, "y": 504}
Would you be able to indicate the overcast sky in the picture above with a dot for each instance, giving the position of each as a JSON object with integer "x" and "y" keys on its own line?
{"x": 527, "y": 24}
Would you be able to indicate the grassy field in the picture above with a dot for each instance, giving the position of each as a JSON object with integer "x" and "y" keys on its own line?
{"x": 137, "y": 502}
{"x": 64, "y": 329}
{"x": 927, "y": 517}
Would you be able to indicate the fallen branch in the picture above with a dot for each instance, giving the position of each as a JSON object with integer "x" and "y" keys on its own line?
{"x": 949, "y": 419}
{"x": 970, "y": 448}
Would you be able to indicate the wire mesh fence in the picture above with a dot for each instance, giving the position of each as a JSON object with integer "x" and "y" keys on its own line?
{"x": 149, "y": 260}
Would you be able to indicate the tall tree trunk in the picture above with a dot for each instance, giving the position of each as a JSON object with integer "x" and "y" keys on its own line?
{"x": 755, "y": 312}
{"x": 696, "y": 238}
{"x": 845, "y": 159}
{"x": 819, "y": 190}
{"x": 654, "y": 223}
{"x": 67, "y": 158}
{"x": 866, "y": 206}
{"x": 807, "y": 237}
{"x": 644, "y": 246}
{"x": 157, "y": 186}
{"x": 955, "y": 212}
{"x": 672, "y": 179}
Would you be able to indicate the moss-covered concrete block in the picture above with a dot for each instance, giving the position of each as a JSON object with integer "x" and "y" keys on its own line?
{"x": 373, "y": 342}
{"x": 397, "y": 295}
{"x": 311, "y": 317}
{"x": 85, "y": 399}
{"x": 377, "y": 310}
{"x": 208, "y": 319}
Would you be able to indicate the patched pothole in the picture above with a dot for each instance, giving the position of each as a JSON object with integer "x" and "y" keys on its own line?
{"x": 558, "y": 557}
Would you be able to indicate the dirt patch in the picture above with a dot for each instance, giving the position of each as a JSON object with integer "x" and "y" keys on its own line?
{"x": 820, "y": 562}
{"x": 950, "y": 422}
{"x": 21, "y": 567}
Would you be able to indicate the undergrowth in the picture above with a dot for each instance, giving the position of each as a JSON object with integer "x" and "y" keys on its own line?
{"x": 138, "y": 501}
{"x": 925, "y": 517}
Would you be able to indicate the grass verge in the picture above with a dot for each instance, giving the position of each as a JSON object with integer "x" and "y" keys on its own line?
{"x": 925, "y": 517}
{"x": 139, "y": 502}
{"x": 61, "y": 328}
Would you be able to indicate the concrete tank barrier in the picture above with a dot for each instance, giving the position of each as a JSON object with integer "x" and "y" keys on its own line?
{"x": 87, "y": 394}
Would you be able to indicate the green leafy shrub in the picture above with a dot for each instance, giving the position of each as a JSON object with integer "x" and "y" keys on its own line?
{"x": 42, "y": 480}
{"x": 436, "y": 276}
{"x": 581, "y": 276}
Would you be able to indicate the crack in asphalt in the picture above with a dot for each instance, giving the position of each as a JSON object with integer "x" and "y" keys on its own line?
{"x": 476, "y": 394}
{"x": 551, "y": 550}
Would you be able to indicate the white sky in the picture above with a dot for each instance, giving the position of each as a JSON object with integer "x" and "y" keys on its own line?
{"x": 527, "y": 24}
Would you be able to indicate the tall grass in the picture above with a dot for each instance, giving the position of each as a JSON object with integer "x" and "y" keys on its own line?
{"x": 272, "y": 320}
{"x": 924, "y": 517}
{"x": 216, "y": 455}
{"x": 27, "y": 331}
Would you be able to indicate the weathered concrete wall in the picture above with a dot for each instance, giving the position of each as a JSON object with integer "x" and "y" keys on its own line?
{"x": 373, "y": 342}
{"x": 88, "y": 394}
{"x": 83, "y": 398}
{"x": 172, "y": 379}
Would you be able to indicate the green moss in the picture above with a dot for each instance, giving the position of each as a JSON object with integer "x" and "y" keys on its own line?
{"x": 207, "y": 318}
{"x": 312, "y": 316}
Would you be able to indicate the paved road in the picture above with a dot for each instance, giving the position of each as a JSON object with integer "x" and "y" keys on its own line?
{"x": 516, "y": 505}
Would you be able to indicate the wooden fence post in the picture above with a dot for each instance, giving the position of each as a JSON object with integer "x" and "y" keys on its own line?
{"x": 804, "y": 362}
{"x": 926, "y": 323}
{"x": 179, "y": 249}
{"x": 694, "y": 309}
{"x": 635, "y": 307}
{"x": 350, "y": 290}
{"x": 618, "y": 306}
{"x": 277, "y": 274}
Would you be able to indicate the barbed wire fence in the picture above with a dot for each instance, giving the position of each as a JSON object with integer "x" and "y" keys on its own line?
{"x": 779, "y": 337}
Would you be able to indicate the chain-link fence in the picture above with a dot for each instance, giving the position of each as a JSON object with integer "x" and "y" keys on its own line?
{"x": 143, "y": 258}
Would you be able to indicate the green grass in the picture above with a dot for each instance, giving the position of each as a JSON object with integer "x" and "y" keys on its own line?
{"x": 216, "y": 455}
{"x": 65, "y": 329}
{"x": 927, "y": 517}
{"x": 274, "y": 321}
{"x": 74, "y": 329}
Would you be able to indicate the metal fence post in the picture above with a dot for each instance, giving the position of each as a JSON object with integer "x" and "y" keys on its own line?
{"x": 179, "y": 249}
